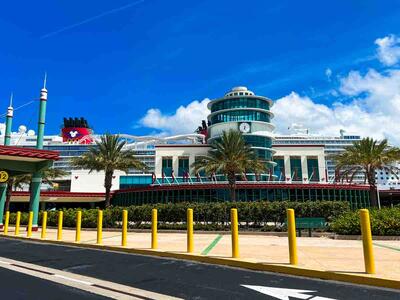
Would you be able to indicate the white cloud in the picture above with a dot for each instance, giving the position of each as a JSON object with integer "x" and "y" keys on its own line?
{"x": 373, "y": 110}
{"x": 185, "y": 119}
{"x": 388, "y": 49}
{"x": 328, "y": 73}
{"x": 294, "y": 109}
{"x": 378, "y": 92}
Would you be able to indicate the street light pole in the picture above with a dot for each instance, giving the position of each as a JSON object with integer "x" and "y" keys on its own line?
{"x": 379, "y": 198}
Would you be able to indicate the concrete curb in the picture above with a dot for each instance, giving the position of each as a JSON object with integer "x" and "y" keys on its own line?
{"x": 318, "y": 234}
{"x": 374, "y": 237}
{"x": 363, "y": 279}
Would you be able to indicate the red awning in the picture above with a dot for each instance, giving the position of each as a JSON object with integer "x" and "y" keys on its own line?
{"x": 29, "y": 152}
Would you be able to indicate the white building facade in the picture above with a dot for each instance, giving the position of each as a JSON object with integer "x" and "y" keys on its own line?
{"x": 293, "y": 163}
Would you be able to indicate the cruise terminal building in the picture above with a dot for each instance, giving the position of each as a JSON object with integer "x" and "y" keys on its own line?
{"x": 295, "y": 172}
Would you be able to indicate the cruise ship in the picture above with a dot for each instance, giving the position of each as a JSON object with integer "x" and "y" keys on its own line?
{"x": 76, "y": 137}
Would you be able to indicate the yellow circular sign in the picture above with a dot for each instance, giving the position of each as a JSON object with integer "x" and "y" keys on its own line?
{"x": 3, "y": 176}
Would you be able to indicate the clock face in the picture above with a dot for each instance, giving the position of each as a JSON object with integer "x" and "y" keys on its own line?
{"x": 244, "y": 127}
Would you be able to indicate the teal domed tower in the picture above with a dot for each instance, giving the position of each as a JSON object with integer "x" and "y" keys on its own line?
{"x": 240, "y": 109}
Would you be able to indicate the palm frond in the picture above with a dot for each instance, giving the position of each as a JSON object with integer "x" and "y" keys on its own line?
{"x": 108, "y": 156}
{"x": 366, "y": 156}
{"x": 229, "y": 155}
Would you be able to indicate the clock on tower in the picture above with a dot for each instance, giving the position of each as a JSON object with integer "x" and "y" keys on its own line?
{"x": 244, "y": 127}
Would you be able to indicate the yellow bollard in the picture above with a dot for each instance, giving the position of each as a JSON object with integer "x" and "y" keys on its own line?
{"x": 154, "y": 228}
{"x": 30, "y": 220}
{"x": 44, "y": 225}
{"x": 60, "y": 225}
{"x": 189, "y": 230}
{"x": 124, "y": 227}
{"x": 99, "y": 227}
{"x": 6, "y": 222}
{"x": 367, "y": 241}
{"x": 17, "y": 223}
{"x": 291, "y": 224}
{"x": 235, "y": 233}
{"x": 78, "y": 226}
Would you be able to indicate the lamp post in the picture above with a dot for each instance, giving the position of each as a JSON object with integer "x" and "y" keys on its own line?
{"x": 378, "y": 197}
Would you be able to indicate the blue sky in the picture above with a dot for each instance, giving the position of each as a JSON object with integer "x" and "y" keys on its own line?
{"x": 113, "y": 61}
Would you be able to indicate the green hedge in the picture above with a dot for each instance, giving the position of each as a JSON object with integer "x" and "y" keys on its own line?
{"x": 207, "y": 216}
{"x": 385, "y": 221}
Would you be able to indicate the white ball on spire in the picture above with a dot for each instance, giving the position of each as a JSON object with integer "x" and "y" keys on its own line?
{"x": 22, "y": 129}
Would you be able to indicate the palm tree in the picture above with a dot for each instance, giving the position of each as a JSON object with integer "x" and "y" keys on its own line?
{"x": 367, "y": 156}
{"x": 231, "y": 156}
{"x": 108, "y": 156}
{"x": 48, "y": 176}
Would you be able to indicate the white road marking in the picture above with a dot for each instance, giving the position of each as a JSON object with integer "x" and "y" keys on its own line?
{"x": 97, "y": 286}
{"x": 73, "y": 279}
{"x": 285, "y": 294}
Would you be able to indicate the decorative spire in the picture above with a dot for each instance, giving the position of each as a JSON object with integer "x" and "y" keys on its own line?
{"x": 10, "y": 113}
{"x": 45, "y": 80}
{"x": 11, "y": 100}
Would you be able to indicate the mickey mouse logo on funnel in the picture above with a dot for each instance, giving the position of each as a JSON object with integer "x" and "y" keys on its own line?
{"x": 76, "y": 130}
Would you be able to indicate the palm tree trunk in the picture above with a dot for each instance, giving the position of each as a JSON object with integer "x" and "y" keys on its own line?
{"x": 107, "y": 185}
{"x": 372, "y": 188}
{"x": 232, "y": 186}
{"x": 232, "y": 192}
{"x": 373, "y": 196}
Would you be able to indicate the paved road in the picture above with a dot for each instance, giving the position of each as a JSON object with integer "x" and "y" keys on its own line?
{"x": 183, "y": 279}
{"x": 15, "y": 285}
